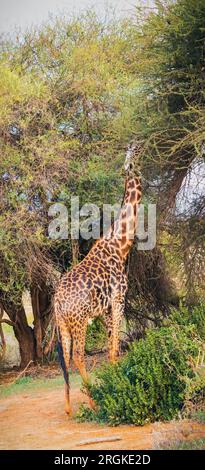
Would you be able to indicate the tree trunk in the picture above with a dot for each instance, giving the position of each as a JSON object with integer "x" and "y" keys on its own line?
{"x": 30, "y": 340}
{"x": 23, "y": 332}
{"x": 37, "y": 322}
{"x": 2, "y": 337}
{"x": 41, "y": 305}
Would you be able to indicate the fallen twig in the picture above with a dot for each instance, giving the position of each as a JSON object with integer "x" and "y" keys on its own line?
{"x": 96, "y": 440}
{"x": 20, "y": 374}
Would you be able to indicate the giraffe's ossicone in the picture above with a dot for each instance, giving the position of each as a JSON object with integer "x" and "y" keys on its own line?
{"x": 97, "y": 286}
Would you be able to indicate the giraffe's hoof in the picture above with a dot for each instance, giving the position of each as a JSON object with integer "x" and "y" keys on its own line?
{"x": 68, "y": 410}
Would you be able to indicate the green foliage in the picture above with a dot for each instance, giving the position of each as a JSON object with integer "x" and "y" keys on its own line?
{"x": 63, "y": 124}
{"x": 194, "y": 315}
{"x": 150, "y": 382}
{"x": 86, "y": 414}
{"x": 194, "y": 403}
{"x": 96, "y": 335}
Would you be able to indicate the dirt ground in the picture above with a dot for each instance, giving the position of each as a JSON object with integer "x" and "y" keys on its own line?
{"x": 36, "y": 420}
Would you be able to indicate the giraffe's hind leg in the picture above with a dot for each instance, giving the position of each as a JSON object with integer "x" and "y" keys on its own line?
{"x": 79, "y": 351}
{"x": 64, "y": 352}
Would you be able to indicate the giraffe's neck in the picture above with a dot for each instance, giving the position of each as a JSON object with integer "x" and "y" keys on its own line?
{"x": 124, "y": 228}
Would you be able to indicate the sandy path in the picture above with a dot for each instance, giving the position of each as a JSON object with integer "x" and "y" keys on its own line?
{"x": 36, "y": 420}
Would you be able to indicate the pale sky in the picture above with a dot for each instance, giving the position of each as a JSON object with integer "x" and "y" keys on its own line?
{"x": 23, "y": 13}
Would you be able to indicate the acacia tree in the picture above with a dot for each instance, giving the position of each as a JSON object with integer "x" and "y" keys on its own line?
{"x": 63, "y": 125}
{"x": 170, "y": 62}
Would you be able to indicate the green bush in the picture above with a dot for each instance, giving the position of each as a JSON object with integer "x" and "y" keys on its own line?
{"x": 194, "y": 404}
{"x": 150, "y": 382}
{"x": 95, "y": 336}
{"x": 190, "y": 316}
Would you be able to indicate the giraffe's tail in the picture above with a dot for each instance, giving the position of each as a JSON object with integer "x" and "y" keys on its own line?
{"x": 62, "y": 361}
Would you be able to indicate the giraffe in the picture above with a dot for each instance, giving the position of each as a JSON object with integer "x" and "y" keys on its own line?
{"x": 97, "y": 286}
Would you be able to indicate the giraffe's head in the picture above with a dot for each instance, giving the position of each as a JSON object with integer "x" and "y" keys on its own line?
{"x": 132, "y": 160}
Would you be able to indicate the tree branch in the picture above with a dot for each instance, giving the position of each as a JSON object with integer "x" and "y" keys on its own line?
{"x": 9, "y": 322}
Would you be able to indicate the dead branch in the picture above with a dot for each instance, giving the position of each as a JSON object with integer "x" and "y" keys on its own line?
{"x": 20, "y": 374}
{"x": 9, "y": 322}
{"x": 99, "y": 439}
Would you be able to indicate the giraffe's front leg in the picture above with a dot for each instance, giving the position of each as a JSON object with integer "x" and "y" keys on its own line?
{"x": 114, "y": 321}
